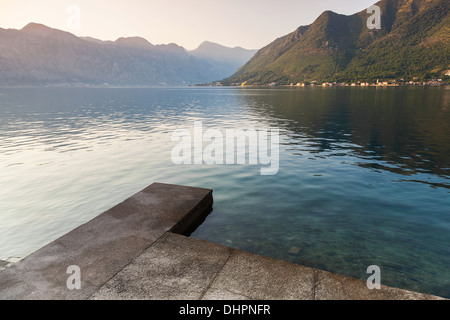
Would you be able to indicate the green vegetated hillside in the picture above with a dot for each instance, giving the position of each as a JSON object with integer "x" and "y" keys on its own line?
{"x": 414, "y": 41}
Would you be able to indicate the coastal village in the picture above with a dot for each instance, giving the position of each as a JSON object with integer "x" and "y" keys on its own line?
{"x": 416, "y": 81}
{"x": 378, "y": 83}
{"x": 391, "y": 83}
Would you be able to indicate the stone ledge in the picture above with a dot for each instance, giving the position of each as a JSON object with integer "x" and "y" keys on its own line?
{"x": 180, "y": 268}
{"x": 106, "y": 244}
{"x": 132, "y": 252}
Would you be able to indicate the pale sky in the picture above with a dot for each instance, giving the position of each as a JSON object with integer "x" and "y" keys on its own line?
{"x": 251, "y": 24}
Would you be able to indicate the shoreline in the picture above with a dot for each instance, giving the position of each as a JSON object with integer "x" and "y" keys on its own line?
{"x": 216, "y": 85}
{"x": 141, "y": 250}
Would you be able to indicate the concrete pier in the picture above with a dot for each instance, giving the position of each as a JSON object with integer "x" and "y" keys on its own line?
{"x": 139, "y": 250}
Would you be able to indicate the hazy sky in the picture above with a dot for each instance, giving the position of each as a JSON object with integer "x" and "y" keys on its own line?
{"x": 250, "y": 24}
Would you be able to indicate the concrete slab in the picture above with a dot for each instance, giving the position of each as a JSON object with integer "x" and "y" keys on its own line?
{"x": 175, "y": 267}
{"x": 223, "y": 294}
{"x": 263, "y": 278}
{"x": 105, "y": 245}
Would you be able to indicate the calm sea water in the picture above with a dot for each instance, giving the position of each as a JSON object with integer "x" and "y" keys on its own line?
{"x": 364, "y": 174}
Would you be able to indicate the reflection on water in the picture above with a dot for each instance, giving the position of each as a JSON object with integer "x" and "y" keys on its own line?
{"x": 404, "y": 130}
{"x": 364, "y": 172}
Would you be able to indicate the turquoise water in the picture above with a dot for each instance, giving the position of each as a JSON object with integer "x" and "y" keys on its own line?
{"x": 364, "y": 176}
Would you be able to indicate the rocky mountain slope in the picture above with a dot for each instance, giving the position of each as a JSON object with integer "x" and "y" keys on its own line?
{"x": 414, "y": 41}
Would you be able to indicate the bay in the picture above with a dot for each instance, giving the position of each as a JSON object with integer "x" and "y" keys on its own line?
{"x": 364, "y": 174}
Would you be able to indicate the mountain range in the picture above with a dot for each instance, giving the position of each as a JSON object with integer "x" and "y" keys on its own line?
{"x": 413, "y": 42}
{"x": 40, "y": 55}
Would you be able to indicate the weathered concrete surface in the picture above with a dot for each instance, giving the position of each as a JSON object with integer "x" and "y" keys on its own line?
{"x": 175, "y": 267}
{"x": 329, "y": 286}
{"x": 105, "y": 245}
{"x": 180, "y": 268}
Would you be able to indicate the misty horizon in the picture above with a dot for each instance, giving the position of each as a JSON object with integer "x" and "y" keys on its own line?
{"x": 87, "y": 37}
{"x": 248, "y": 25}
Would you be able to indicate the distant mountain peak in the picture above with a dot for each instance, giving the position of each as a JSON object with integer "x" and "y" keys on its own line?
{"x": 133, "y": 42}
{"x": 174, "y": 46}
{"x": 207, "y": 43}
{"x": 218, "y": 54}
{"x": 32, "y": 26}
{"x": 95, "y": 40}
{"x": 39, "y": 29}
{"x": 210, "y": 45}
